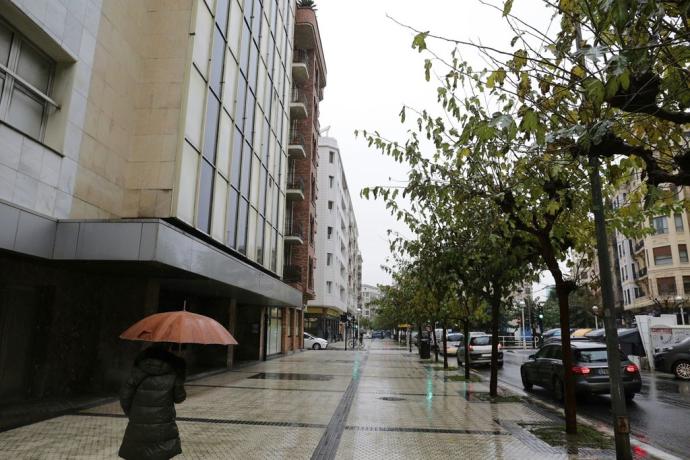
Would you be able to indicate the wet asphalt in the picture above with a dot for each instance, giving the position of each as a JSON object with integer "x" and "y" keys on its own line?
{"x": 659, "y": 416}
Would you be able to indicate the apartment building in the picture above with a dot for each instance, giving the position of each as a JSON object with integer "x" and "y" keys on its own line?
{"x": 144, "y": 157}
{"x": 654, "y": 271}
{"x": 369, "y": 295}
{"x": 339, "y": 261}
{"x": 309, "y": 80}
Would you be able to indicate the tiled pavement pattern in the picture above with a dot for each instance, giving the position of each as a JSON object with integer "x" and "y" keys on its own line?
{"x": 397, "y": 407}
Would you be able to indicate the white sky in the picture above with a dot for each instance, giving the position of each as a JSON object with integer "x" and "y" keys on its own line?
{"x": 373, "y": 72}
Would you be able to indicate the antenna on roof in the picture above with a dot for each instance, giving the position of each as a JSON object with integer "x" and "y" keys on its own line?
{"x": 325, "y": 130}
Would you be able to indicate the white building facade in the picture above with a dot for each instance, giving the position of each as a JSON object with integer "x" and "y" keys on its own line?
{"x": 337, "y": 278}
{"x": 369, "y": 295}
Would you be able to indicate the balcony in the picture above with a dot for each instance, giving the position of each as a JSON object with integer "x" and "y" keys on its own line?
{"x": 292, "y": 273}
{"x": 642, "y": 273}
{"x": 295, "y": 188}
{"x": 300, "y": 66}
{"x": 639, "y": 246}
{"x": 293, "y": 232}
{"x": 298, "y": 104}
{"x": 297, "y": 145}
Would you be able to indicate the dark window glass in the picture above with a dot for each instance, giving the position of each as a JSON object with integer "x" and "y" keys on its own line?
{"x": 666, "y": 286}
{"x": 222, "y": 9}
{"x": 262, "y": 191}
{"x": 481, "y": 341}
{"x": 660, "y": 225}
{"x": 662, "y": 255}
{"x": 249, "y": 117}
{"x": 242, "y": 226}
{"x": 683, "y": 253}
{"x": 211, "y": 128}
{"x": 236, "y": 159}
{"x": 686, "y": 285}
{"x": 217, "y": 58}
{"x": 232, "y": 217}
{"x": 205, "y": 194}
{"x": 679, "y": 222}
{"x": 246, "y": 169}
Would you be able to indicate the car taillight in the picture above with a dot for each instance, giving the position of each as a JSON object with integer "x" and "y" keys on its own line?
{"x": 581, "y": 370}
{"x": 632, "y": 369}
{"x": 499, "y": 346}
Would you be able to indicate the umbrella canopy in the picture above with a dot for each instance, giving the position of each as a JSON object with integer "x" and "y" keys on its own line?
{"x": 179, "y": 327}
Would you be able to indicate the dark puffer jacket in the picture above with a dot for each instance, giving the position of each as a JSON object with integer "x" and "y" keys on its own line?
{"x": 147, "y": 398}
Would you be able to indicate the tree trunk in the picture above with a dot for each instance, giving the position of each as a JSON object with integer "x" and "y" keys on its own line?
{"x": 433, "y": 331}
{"x": 466, "y": 329}
{"x": 495, "y": 313}
{"x": 562, "y": 292}
{"x": 445, "y": 348}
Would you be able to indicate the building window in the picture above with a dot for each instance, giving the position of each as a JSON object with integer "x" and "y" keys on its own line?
{"x": 329, "y": 259}
{"x": 662, "y": 255}
{"x": 667, "y": 286}
{"x": 26, "y": 76}
{"x": 329, "y": 286}
{"x": 330, "y": 181}
{"x": 660, "y": 225}
{"x": 331, "y": 156}
{"x": 330, "y": 205}
{"x": 683, "y": 253}
{"x": 329, "y": 232}
{"x": 686, "y": 285}
{"x": 679, "y": 222}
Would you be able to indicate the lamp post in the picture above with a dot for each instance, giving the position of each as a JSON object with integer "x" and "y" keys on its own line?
{"x": 595, "y": 309}
{"x": 681, "y": 303}
{"x": 522, "y": 309}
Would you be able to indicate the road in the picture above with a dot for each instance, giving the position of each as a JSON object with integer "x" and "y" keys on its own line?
{"x": 659, "y": 416}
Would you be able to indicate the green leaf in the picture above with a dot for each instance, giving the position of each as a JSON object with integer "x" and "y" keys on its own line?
{"x": 419, "y": 41}
{"x": 507, "y": 6}
{"x": 427, "y": 69}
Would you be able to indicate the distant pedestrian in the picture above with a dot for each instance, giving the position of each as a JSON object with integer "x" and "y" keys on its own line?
{"x": 148, "y": 399}
{"x": 361, "y": 338}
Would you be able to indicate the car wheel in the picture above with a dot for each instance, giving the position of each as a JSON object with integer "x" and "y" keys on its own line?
{"x": 316, "y": 346}
{"x": 526, "y": 384}
{"x": 558, "y": 393}
{"x": 682, "y": 370}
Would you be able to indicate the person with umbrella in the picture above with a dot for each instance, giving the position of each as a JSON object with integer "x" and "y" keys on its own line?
{"x": 148, "y": 398}
{"x": 156, "y": 382}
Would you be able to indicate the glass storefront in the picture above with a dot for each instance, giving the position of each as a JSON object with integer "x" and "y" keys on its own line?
{"x": 275, "y": 330}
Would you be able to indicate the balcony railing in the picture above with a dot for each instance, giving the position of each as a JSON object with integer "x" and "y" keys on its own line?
{"x": 643, "y": 272}
{"x": 295, "y": 186}
{"x": 293, "y": 229}
{"x": 639, "y": 245}
{"x": 300, "y": 55}
{"x": 292, "y": 273}
{"x": 300, "y": 66}
{"x": 297, "y": 146}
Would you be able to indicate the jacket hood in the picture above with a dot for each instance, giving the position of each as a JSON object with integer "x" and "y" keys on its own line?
{"x": 155, "y": 361}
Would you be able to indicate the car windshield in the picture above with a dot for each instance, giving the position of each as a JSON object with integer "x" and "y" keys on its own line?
{"x": 483, "y": 340}
{"x": 454, "y": 337}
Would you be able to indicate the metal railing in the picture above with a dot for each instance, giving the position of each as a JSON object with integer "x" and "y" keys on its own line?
{"x": 301, "y": 56}
{"x": 642, "y": 272}
{"x": 639, "y": 245}
{"x": 292, "y": 273}
{"x": 298, "y": 96}
{"x": 293, "y": 229}
{"x": 296, "y": 138}
{"x": 294, "y": 182}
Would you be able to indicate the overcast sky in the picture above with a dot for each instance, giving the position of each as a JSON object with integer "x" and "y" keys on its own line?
{"x": 373, "y": 72}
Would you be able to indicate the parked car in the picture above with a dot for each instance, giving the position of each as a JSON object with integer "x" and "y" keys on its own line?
{"x": 590, "y": 370}
{"x": 480, "y": 350}
{"x": 453, "y": 341}
{"x": 377, "y": 335}
{"x": 315, "y": 343}
{"x": 675, "y": 359}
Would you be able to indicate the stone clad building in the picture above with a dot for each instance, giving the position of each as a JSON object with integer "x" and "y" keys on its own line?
{"x": 143, "y": 164}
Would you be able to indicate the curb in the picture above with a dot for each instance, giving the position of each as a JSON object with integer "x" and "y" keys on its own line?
{"x": 597, "y": 425}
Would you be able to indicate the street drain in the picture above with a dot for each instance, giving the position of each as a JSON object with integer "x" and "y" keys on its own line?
{"x": 391, "y": 398}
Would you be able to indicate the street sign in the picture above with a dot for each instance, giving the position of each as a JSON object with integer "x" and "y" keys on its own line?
{"x": 404, "y": 326}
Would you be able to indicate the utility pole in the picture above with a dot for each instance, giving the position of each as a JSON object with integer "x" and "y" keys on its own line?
{"x": 621, "y": 423}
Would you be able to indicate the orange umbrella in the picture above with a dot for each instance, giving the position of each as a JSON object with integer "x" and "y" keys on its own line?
{"x": 179, "y": 327}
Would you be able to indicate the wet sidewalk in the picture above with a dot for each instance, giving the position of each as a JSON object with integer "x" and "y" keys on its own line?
{"x": 382, "y": 402}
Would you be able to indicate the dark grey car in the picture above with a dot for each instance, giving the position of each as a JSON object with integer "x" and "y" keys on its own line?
{"x": 675, "y": 359}
{"x": 590, "y": 370}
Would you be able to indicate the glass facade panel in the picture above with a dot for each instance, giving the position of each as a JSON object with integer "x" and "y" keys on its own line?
{"x": 205, "y": 194}
{"x": 236, "y": 159}
{"x": 217, "y": 61}
{"x": 26, "y": 113}
{"x": 242, "y": 226}
{"x": 275, "y": 331}
{"x": 246, "y": 169}
{"x": 222, "y": 7}
{"x": 34, "y": 67}
{"x": 231, "y": 226}
{"x": 211, "y": 128}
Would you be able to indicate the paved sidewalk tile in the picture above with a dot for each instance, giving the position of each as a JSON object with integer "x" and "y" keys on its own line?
{"x": 381, "y": 402}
